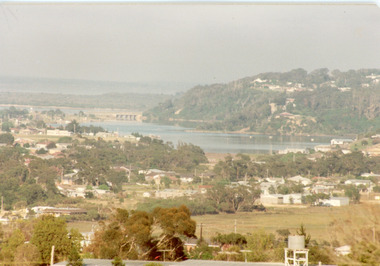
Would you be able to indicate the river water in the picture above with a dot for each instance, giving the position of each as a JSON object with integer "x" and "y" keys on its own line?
{"x": 216, "y": 142}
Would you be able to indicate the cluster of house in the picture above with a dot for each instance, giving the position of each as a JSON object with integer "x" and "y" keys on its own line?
{"x": 335, "y": 144}
{"x": 289, "y": 87}
{"x": 316, "y": 186}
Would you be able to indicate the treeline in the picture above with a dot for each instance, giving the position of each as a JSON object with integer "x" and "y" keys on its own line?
{"x": 28, "y": 180}
{"x": 218, "y": 199}
{"x": 320, "y": 102}
{"x": 331, "y": 164}
{"x": 30, "y": 242}
{"x": 128, "y": 235}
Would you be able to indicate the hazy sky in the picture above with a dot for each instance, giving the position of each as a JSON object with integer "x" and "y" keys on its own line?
{"x": 189, "y": 43}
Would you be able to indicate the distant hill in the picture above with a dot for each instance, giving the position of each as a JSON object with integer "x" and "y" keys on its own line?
{"x": 129, "y": 101}
{"x": 85, "y": 87}
{"x": 294, "y": 102}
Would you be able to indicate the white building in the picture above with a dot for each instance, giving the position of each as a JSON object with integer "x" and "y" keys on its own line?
{"x": 341, "y": 141}
{"x": 292, "y": 199}
{"x": 336, "y": 201}
{"x": 58, "y": 132}
{"x": 271, "y": 199}
{"x": 301, "y": 180}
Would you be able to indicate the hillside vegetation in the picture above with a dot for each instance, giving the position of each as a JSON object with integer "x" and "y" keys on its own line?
{"x": 294, "y": 102}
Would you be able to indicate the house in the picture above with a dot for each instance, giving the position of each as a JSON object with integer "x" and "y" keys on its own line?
{"x": 292, "y": 198}
{"x": 367, "y": 175}
{"x": 24, "y": 141}
{"x": 301, "y": 180}
{"x": 41, "y": 210}
{"x": 68, "y": 179}
{"x": 336, "y": 201}
{"x": 323, "y": 148}
{"x": 341, "y": 141}
{"x": 358, "y": 182}
{"x": 173, "y": 193}
{"x": 343, "y": 250}
{"x": 325, "y": 189}
{"x": 271, "y": 199}
{"x": 292, "y": 150}
{"x": 58, "y": 132}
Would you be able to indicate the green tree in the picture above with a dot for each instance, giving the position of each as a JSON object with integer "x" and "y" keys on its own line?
{"x": 118, "y": 262}
{"x": 6, "y": 126}
{"x": 74, "y": 259}
{"x": 8, "y": 250}
{"x": 50, "y": 231}
{"x": 264, "y": 247}
{"x": 7, "y": 138}
{"x": 27, "y": 254}
{"x": 232, "y": 239}
{"x": 174, "y": 223}
{"x": 353, "y": 193}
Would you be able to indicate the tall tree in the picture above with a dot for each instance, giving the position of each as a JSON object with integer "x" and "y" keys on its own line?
{"x": 50, "y": 231}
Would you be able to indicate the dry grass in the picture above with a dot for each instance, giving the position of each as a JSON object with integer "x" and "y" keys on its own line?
{"x": 317, "y": 220}
{"x": 323, "y": 223}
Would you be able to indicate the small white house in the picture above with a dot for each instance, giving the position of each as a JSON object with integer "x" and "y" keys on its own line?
{"x": 358, "y": 182}
{"x": 341, "y": 141}
{"x": 301, "y": 180}
{"x": 292, "y": 198}
{"x": 343, "y": 250}
{"x": 271, "y": 199}
{"x": 336, "y": 201}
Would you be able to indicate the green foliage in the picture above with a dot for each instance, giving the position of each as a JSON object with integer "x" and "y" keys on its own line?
{"x": 197, "y": 206}
{"x": 302, "y": 232}
{"x": 129, "y": 235}
{"x": 7, "y": 138}
{"x": 353, "y": 193}
{"x": 74, "y": 258}
{"x": 335, "y": 163}
{"x": 264, "y": 247}
{"x": 65, "y": 139}
{"x": 103, "y": 187}
{"x": 50, "y": 231}
{"x": 118, "y": 262}
{"x": 232, "y": 239}
{"x": 8, "y": 248}
{"x": 234, "y": 199}
{"x": 320, "y": 107}
{"x": 203, "y": 252}
{"x": 27, "y": 254}
{"x": 6, "y": 126}
{"x": 153, "y": 264}
{"x": 366, "y": 253}
{"x": 51, "y": 145}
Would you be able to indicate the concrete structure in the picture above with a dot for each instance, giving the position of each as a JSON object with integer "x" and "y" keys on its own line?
{"x": 301, "y": 180}
{"x": 336, "y": 201}
{"x": 292, "y": 199}
{"x": 341, "y": 141}
{"x": 358, "y": 182}
{"x": 271, "y": 199}
{"x": 173, "y": 193}
{"x": 58, "y": 132}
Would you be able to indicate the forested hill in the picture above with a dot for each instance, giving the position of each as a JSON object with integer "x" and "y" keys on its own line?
{"x": 294, "y": 102}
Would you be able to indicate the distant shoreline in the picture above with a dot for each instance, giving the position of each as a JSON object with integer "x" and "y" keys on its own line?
{"x": 106, "y": 110}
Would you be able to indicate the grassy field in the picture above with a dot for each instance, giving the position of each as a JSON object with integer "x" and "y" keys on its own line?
{"x": 317, "y": 220}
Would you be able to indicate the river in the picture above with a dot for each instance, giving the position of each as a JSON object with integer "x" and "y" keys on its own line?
{"x": 216, "y": 142}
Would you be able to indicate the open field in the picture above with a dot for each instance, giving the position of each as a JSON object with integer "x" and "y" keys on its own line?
{"x": 317, "y": 220}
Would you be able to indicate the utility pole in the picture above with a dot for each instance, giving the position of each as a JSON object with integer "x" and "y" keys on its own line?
{"x": 52, "y": 256}
{"x": 201, "y": 232}
{"x": 2, "y": 206}
{"x": 235, "y": 226}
